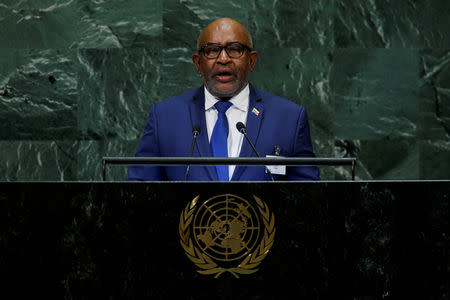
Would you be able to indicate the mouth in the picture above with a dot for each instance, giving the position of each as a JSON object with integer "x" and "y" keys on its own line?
{"x": 224, "y": 76}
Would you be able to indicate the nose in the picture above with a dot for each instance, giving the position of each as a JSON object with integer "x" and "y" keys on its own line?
{"x": 223, "y": 57}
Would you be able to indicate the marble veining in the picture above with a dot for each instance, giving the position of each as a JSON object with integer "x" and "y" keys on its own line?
{"x": 373, "y": 76}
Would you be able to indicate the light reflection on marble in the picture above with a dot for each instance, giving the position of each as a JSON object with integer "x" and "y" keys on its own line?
{"x": 38, "y": 160}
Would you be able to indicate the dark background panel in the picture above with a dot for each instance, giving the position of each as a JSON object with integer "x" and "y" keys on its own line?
{"x": 365, "y": 240}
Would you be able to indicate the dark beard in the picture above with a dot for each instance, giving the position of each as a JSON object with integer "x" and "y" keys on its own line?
{"x": 225, "y": 96}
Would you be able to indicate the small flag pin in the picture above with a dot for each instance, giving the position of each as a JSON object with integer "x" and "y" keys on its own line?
{"x": 255, "y": 111}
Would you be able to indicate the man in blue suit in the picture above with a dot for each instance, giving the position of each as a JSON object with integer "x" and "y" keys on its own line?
{"x": 275, "y": 125}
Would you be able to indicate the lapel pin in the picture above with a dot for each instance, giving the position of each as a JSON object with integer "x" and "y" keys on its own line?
{"x": 255, "y": 111}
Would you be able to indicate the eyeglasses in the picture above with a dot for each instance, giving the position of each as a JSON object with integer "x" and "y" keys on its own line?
{"x": 234, "y": 50}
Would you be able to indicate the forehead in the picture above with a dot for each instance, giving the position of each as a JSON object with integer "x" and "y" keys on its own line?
{"x": 224, "y": 33}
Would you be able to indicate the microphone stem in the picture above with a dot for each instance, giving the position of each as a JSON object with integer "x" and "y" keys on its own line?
{"x": 190, "y": 155}
{"x": 251, "y": 144}
{"x": 254, "y": 149}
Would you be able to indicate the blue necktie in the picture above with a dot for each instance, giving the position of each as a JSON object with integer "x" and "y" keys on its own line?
{"x": 219, "y": 145}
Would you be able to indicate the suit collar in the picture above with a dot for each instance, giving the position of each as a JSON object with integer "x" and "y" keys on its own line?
{"x": 239, "y": 101}
{"x": 197, "y": 111}
{"x": 255, "y": 115}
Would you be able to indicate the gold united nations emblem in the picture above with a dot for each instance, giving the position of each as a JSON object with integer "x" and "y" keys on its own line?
{"x": 227, "y": 233}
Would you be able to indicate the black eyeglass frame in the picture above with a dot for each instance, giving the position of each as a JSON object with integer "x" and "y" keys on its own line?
{"x": 202, "y": 49}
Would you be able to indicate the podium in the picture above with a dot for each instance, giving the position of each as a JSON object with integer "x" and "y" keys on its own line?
{"x": 116, "y": 240}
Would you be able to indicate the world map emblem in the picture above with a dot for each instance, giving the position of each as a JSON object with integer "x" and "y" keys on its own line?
{"x": 227, "y": 233}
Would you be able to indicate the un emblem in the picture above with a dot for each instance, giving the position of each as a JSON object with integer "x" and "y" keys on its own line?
{"x": 227, "y": 233}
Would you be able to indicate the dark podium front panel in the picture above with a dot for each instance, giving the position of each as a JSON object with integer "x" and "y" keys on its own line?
{"x": 349, "y": 240}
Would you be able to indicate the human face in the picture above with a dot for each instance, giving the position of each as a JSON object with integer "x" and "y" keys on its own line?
{"x": 225, "y": 77}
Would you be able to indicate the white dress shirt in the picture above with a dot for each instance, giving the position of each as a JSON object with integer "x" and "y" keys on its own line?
{"x": 236, "y": 113}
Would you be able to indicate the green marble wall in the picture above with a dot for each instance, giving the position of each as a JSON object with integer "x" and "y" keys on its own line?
{"x": 77, "y": 78}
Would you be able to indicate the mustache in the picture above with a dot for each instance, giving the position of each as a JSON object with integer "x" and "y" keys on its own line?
{"x": 223, "y": 71}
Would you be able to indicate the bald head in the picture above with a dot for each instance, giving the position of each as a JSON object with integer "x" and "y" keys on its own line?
{"x": 223, "y": 26}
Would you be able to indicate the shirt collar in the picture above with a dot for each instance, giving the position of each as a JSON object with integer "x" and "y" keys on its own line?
{"x": 240, "y": 100}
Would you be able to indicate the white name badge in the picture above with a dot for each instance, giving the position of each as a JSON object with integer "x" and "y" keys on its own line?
{"x": 277, "y": 170}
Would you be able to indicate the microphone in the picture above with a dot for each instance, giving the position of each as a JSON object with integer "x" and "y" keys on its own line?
{"x": 241, "y": 128}
{"x": 195, "y": 132}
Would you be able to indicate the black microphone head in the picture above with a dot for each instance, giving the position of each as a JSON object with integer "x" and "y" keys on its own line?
{"x": 196, "y": 130}
{"x": 240, "y": 127}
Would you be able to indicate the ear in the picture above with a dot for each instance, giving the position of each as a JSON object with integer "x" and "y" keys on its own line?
{"x": 253, "y": 58}
{"x": 196, "y": 61}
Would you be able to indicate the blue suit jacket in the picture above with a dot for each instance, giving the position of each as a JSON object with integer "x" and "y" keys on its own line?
{"x": 169, "y": 133}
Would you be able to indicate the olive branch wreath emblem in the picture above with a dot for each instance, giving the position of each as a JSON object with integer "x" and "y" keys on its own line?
{"x": 206, "y": 264}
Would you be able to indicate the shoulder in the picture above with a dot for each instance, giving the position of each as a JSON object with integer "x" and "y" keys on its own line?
{"x": 180, "y": 101}
{"x": 277, "y": 103}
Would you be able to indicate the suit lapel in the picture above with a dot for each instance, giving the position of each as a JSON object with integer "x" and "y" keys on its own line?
{"x": 254, "y": 118}
{"x": 197, "y": 111}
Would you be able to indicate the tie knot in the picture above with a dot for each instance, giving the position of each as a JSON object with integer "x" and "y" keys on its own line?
{"x": 222, "y": 106}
